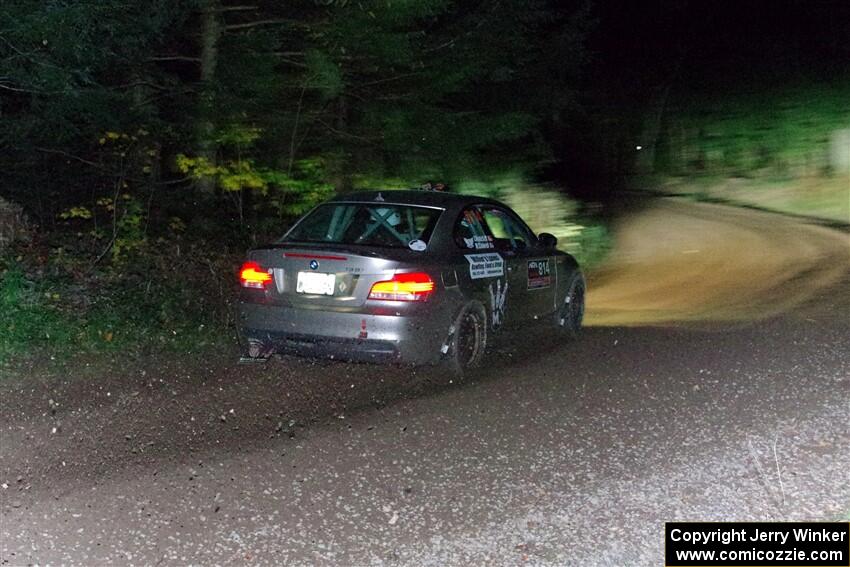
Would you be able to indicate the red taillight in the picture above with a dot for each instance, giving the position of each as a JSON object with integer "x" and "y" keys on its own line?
{"x": 252, "y": 275}
{"x": 403, "y": 287}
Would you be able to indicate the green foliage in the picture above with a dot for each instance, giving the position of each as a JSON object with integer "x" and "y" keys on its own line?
{"x": 546, "y": 209}
{"x": 779, "y": 134}
{"x": 323, "y": 74}
{"x": 369, "y": 88}
{"x": 289, "y": 193}
{"x": 231, "y": 175}
{"x": 30, "y": 318}
{"x": 296, "y": 193}
{"x": 129, "y": 234}
{"x": 437, "y": 86}
{"x": 67, "y": 57}
{"x": 238, "y": 135}
{"x": 149, "y": 306}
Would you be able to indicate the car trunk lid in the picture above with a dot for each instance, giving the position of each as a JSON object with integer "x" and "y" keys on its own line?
{"x": 326, "y": 276}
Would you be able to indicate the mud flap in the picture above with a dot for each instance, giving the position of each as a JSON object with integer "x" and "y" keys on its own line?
{"x": 255, "y": 352}
{"x": 249, "y": 360}
{"x": 444, "y": 349}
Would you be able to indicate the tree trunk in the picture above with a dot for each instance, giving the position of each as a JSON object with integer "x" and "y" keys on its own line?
{"x": 651, "y": 131}
{"x": 210, "y": 35}
{"x": 839, "y": 151}
{"x": 342, "y": 175}
{"x": 13, "y": 222}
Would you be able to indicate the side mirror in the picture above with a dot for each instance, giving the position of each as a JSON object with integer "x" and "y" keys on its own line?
{"x": 547, "y": 240}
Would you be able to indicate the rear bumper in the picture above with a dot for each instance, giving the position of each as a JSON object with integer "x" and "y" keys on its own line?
{"x": 357, "y": 350}
{"x": 414, "y": 338}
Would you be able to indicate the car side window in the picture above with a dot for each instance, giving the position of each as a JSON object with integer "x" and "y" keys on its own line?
{"x": 509, "y": 232}
{"x": 469, "y": 232}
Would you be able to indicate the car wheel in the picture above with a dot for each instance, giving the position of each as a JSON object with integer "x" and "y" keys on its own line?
{"x": 570, "y": 314}
{"x": 467, "y": 339}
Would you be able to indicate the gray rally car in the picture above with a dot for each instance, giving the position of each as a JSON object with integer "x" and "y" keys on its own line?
{"x": 409, "y": 276}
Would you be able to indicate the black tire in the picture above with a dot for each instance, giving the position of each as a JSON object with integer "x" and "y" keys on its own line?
{"x": 570, "y": 314}
{"x": 467, "y": 339}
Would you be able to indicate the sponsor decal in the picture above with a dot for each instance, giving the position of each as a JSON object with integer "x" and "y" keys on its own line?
{"x": 417, "y": 245}
{"x": 479, "y": 242}
{"x": 485, "y": 265}
{"x": 483, "y": 242}
{"x": 539, "y": 274}
{"x": 498, "y": 295}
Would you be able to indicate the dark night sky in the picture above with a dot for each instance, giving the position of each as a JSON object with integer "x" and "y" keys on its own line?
{"x": 694, "y": 51}
{"x": 722, "y": 43}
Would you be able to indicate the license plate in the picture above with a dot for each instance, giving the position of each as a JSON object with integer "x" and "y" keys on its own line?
{"x": 315, "y": 283}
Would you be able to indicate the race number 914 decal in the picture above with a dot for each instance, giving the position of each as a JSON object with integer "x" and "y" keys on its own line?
{"x": 539, "y": 274}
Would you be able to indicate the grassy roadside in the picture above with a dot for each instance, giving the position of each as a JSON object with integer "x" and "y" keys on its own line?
{"x": 821, "y": 198}
{"x": 49, "y": 314}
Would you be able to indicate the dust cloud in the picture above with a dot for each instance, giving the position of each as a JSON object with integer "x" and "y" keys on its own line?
{"x": 677, "y": 262}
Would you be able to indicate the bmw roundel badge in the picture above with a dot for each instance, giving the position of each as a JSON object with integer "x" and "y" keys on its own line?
{"x": 314, "y": 265}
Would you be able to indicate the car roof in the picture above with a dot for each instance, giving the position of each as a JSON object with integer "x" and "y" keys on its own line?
{"x": 414, "y": 197}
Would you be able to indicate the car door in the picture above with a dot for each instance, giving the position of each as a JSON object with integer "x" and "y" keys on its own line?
{"x": 482, "y": 271}
{"x": 531, "y": 268}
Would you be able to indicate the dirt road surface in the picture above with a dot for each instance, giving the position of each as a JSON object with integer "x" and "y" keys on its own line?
{"x": 713, "y": 384}
{"x": 678, "y": 262}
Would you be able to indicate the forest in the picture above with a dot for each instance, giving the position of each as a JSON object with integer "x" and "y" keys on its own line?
{"x": 146, "y": 145}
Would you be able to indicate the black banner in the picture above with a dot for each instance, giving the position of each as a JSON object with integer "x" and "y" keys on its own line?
{"x": 762, "y": 544}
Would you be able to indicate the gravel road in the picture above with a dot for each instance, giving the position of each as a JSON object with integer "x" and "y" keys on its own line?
{"x": 713, "y": 384}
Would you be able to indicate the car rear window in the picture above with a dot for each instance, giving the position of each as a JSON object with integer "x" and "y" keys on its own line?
{"x": 367, "y": 224}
